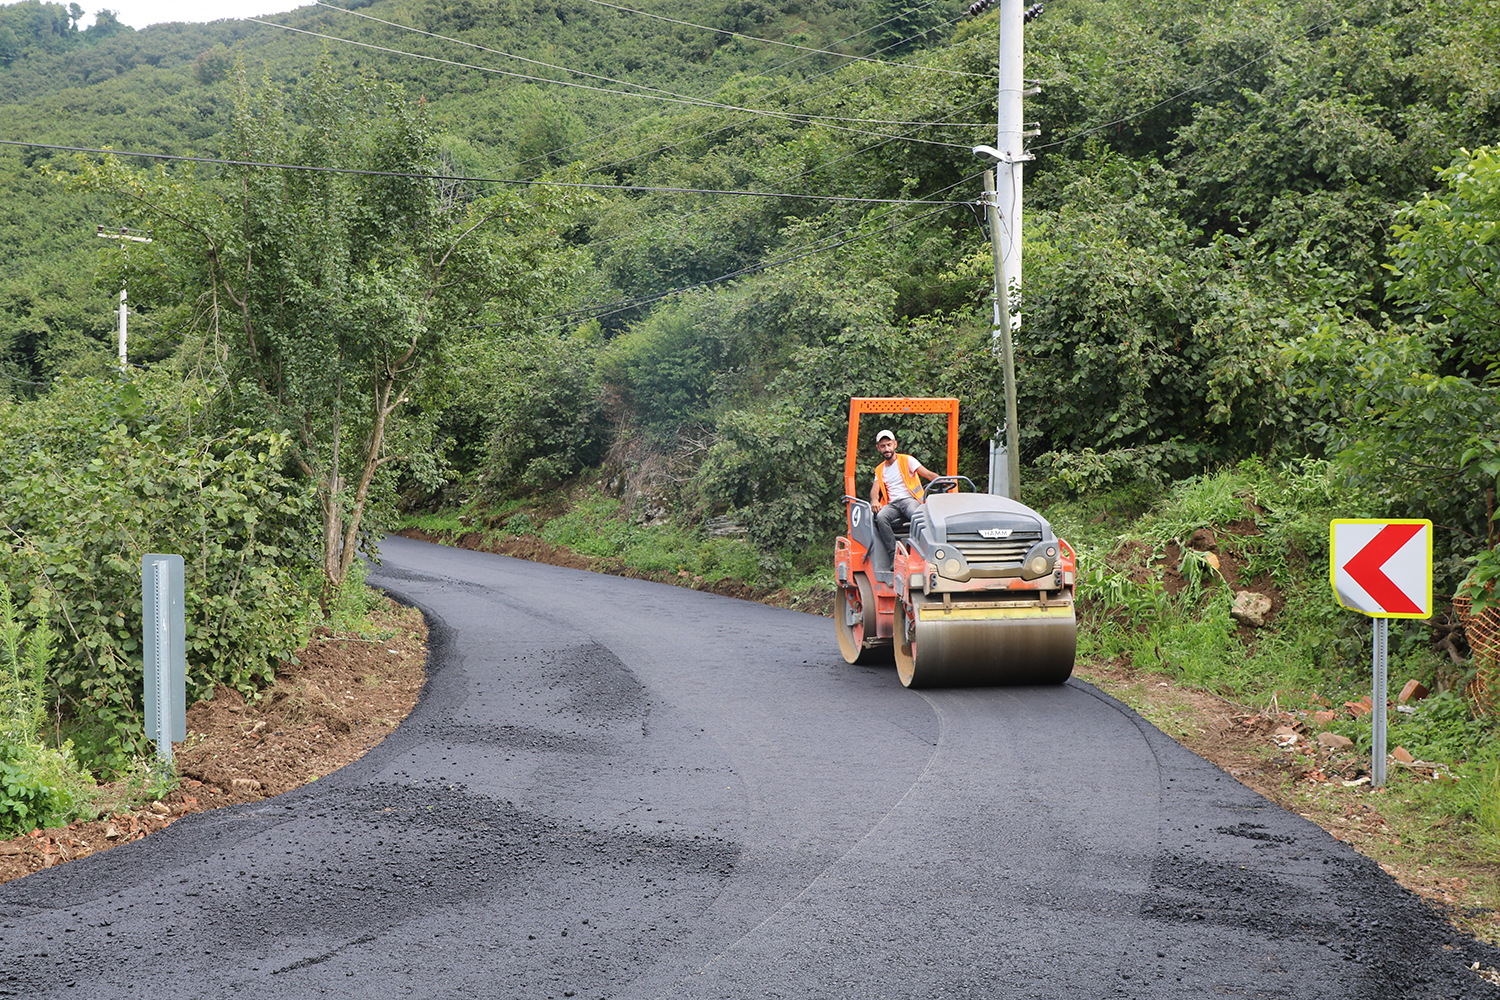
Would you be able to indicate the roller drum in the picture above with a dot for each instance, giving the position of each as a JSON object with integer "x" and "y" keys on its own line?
{"x": 985, "y": 644}
{"x": 857, "y": 625}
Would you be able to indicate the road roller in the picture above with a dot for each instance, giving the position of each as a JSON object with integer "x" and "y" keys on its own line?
{"x": 978, "y": 592}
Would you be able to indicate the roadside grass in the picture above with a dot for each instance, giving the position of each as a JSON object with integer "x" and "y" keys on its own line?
{"x": 1155, "y": 592}
{"x": 602, "y": 526}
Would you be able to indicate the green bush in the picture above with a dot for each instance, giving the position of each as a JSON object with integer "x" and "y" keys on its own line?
{"x": 39, "y": 785}
{"x": 598, "y": 526}
{"x": 25, "y": 802}
{"x": 96, "y": 475}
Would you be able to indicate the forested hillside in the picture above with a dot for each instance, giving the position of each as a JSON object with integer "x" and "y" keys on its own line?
{"x": 674, "y": 238}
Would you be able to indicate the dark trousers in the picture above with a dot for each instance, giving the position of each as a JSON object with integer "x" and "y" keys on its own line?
{"x": 896, "y": 514}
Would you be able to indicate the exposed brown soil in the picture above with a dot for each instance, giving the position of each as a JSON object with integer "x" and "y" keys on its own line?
{"x": 342, "y": 697}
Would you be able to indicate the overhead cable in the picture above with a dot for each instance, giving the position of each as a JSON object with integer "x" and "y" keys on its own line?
{"x": 650, "y": 94}
{"x": 790, "y": 45}
{"x": 630, "y": 83}
{"x": 632, "y": 188}
{"x": 736, "y": 124}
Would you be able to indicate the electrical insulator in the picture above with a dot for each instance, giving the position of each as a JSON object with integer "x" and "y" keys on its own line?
{"x": 1032, "y": 13}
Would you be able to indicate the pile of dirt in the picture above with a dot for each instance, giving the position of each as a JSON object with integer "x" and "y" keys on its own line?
{"x": 340, "y": 698}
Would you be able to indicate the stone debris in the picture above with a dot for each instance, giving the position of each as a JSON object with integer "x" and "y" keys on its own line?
{"x": 1250, "y": 608}
{"x": 723, "y": 527}
{"x": 1333, "y": 741}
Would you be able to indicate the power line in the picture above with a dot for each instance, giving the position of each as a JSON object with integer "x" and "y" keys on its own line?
{"x": 653, "y": 94}
{"x": 731, "y": 125}
{"x": 657, "y": 90}
{"x": 634, "y": 188}
{"x": 798, "y": 254}
{"x": 803, "y": 48}
{"x": 697, "y": 101}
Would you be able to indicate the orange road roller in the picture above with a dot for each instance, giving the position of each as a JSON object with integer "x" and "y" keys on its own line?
{"x": 978, "y": 591}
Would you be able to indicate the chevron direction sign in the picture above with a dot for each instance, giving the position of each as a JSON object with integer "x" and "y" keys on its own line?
{"x": 1382, "y": 568}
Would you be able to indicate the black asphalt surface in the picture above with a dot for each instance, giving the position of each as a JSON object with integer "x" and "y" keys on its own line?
{"x": 613, "y": 788}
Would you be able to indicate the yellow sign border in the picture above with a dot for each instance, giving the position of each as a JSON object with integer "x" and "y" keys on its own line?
{"x": 1333, "y": 564}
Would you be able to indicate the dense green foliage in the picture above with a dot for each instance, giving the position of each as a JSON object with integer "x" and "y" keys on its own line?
{"x": 39, "y": 783}
{"x": 99, "y": 473}
{"x": 329, "y": 301}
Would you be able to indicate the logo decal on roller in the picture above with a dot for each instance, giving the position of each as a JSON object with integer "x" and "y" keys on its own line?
{"x": 994, "y": 532}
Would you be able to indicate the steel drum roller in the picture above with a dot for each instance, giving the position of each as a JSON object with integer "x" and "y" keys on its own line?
{"x": 978, "y": 644}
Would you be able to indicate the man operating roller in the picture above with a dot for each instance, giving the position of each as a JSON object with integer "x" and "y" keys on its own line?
{"x": 897, "y": 490}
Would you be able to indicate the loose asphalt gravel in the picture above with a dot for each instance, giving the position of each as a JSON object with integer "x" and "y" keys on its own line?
{"x": 613, "y": 788}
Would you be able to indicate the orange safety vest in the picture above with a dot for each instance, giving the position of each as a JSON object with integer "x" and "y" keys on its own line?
{"x": 908, "y": 476}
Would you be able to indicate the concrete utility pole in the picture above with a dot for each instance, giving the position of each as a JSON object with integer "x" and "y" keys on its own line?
{"x": 124, "y": 236}
{"x": 1003, "y": 205}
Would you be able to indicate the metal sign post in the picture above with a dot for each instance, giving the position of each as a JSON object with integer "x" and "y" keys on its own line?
{"x": 164, "y": 643}
{"x": 1377, "y": 706}
{"x": 1382, "y": 569}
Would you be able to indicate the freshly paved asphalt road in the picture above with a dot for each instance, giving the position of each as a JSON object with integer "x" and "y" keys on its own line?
{"x": 618, "y": 789}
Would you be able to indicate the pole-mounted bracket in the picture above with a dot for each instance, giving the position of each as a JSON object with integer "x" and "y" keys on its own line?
{"x": 996, "y": 156}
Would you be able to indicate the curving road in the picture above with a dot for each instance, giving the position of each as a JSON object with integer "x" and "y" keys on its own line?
{"x": 619, "y": 789}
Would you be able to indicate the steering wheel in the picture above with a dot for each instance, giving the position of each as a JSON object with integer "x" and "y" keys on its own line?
{"x": 949, "y": 484}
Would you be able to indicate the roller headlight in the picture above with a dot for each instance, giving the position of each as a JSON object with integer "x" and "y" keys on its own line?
{"x": 950, "y": 562}
{"x": 1039, "y": 561}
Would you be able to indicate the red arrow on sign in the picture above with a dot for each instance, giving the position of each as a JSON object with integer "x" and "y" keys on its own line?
{"x": 1367, "y": 568}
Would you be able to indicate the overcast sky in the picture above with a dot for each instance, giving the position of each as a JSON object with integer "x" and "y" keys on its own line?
{"x": 139, "y": 13}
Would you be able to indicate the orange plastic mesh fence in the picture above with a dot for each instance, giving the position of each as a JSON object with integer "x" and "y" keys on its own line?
{"x": 1483, "y": 632}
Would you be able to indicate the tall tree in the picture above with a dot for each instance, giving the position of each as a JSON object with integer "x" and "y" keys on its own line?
{"x": 331, "y": 295}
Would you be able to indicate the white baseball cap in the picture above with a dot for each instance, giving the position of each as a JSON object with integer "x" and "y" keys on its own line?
{"x": 885, "y": 434}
